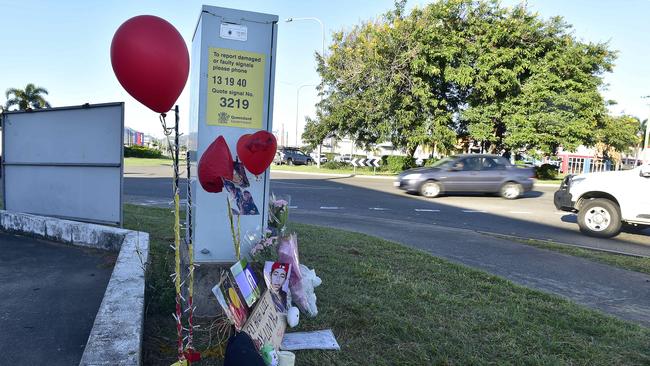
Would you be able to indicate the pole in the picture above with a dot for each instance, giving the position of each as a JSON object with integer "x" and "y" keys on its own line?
{"x": 646, "y": 143}
{"x": 176, "y": 149}
{"x": 297, "y": 104}
{"x": 322, "y": 32}
{"x": 178, "y": 316}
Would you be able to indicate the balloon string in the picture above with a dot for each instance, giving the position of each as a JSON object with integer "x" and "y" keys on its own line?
{"x": 177, "y": 280}
{"x": 177, "y": 255}
{"x": 190, "y": 242}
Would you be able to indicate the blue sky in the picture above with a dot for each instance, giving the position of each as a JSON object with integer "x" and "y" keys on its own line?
{"x": 64, "y": 47}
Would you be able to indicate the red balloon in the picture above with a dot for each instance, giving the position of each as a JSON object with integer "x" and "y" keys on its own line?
{"x": 215, "y": 165}
{"x": 151, "y": 61}
{"x": 256, "y": 151}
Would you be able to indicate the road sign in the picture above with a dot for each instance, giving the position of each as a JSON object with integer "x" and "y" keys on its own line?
{"x": 358, "y": 162}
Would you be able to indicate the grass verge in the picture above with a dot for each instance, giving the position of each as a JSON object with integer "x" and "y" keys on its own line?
{"x": 392, "y": 305}
{"x": 146, "y": 162}
{"x": 632, "y": 263}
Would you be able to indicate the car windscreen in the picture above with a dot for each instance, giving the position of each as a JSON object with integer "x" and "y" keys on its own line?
{"x": 444, "y": 163}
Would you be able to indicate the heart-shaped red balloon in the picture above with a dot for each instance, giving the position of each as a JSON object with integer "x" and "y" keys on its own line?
{"x": 256, "y": 151}
{"x": 151, "y": 61}
{"x": 215, "y": 165}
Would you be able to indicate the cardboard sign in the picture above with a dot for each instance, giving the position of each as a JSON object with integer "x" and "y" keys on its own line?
{"x": 266, "y": 325}
{"x": 235, "y": 88}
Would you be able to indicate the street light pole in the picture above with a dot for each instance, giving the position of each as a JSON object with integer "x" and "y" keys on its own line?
{"x": 297, "y": 104}
{"x": 322, "y": 32}
{"x": 646, "y": 139}
{"x": 322, "y": 29}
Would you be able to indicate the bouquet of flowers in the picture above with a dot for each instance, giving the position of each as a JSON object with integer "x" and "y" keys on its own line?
{"x": 278, "y": 215}
{"x": 265, "y": 247}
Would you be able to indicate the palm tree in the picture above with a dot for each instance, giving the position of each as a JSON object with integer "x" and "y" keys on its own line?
{"x": 30, "y": 98}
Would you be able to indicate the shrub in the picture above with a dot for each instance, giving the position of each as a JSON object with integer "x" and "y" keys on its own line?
{"x": 400, "y": 163}
{"x": 334, "y": 165}
{"x": 546, "y": 172}
{"x": 330, "y": 156}
{"x": 141, "y": 152}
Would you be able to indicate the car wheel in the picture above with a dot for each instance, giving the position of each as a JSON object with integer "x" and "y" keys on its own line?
{"x": 309, "y": 162}
{"x": 511, "y": 190}
{"x": 599, "y": 217}
{"x": 430, "y": 189}
{"x": 289, "y": 161}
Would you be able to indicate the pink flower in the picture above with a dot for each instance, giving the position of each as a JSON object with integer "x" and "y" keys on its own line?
{"x": 280, "y": 203}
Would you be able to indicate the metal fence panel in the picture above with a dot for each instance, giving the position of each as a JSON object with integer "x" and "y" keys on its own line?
{"x": 65, "y": 162}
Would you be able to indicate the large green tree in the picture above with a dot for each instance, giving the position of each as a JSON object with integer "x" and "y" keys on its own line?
{"x": 460, "y": 68}
{"x": 32, "y": 97}
{"x": 617, "y": 135}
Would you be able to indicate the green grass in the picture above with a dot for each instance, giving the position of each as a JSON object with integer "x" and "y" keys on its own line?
{"x": 146, "y": 162}
{"x": 632, "y": 263}
{"x": 392, "y": 305}
{"x": 314, "y": 169}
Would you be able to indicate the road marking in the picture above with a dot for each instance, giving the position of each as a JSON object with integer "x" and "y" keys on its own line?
{"x": 379, "y": 209}
{"x": 293, "y": 206}
{"x": 426, "y": 210}
{"x": 521, "y": 212}
{"x": 474, "y": 211}
{"x": 329, "y": 207}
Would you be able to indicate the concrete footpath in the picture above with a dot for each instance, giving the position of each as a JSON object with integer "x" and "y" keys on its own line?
{"x": 50, "y": 295}
{"x": 624, "y": 294}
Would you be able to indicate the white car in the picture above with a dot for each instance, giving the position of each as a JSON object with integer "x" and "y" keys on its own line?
{"x": 323, "y": 157}
{"x": 606, "y": 200}
{"x": 345, "y": 158}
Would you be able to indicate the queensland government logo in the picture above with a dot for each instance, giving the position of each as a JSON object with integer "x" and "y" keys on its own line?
{"x": 224, "y": 117}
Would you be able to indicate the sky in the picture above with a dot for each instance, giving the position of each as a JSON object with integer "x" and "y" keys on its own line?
{"x": 64, "y": 46}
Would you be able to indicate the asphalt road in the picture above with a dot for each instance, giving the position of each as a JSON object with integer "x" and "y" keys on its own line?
{"x": 50, "y": 295}
{"x": 366, "y": 199}
{"x": 532, "y": 216}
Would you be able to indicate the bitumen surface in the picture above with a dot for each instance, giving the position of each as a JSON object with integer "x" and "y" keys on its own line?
{"x": 50, "y": 295}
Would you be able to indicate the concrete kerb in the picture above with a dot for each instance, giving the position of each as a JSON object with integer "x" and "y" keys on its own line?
{"x": 388, "y": 177}
{"x": 116, "y": 336}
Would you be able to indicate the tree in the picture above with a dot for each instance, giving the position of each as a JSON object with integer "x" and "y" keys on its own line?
{"x": 501, "y": 76}
{"x": 617, "y": 135}
{"x": 315, "y": 133}
{"x": 29, "y": 98}
{"x": 534, "y": 87}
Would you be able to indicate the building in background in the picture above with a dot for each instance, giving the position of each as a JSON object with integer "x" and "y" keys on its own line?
{"x": 137, "y": 138}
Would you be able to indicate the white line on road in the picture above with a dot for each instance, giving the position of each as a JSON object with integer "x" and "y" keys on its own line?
{"x": 474, "y": 211}
{"x": 293, "y": 206}
{"x": 330, "y": 207}
{"x": 425, "y": 210}
{"x": 378, "y": 209}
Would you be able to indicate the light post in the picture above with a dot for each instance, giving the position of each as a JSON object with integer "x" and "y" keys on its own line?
{"x": 297, "y": 104}
{"x": 646, "y": 138}
{"x": 322, "y": 31}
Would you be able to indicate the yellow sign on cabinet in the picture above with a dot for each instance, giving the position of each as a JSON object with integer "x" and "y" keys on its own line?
{"x": 235, "y": 88}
